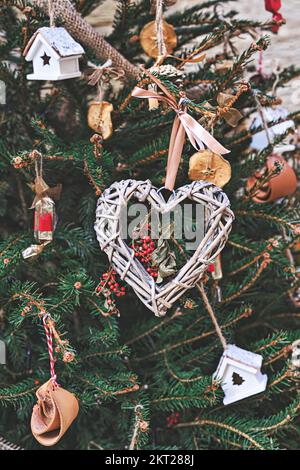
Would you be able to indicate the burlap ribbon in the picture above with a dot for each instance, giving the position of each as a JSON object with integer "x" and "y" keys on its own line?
{"x": 183, "y": 124}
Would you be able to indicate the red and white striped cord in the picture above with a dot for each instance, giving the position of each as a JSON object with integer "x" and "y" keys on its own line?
{"x": 48, "y": 332}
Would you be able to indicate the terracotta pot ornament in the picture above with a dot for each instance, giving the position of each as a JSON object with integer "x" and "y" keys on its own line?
{"x": 281, "y": 185}
{"x": 53, "y": 414}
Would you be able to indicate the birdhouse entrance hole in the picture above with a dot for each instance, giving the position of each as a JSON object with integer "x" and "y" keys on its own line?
{"x": 46, "y": 59}
{"x": 237, "y": 379}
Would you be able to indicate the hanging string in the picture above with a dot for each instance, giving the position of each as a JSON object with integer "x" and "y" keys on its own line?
{"x": 138, "y": 420}
{"x": 48, "y": 332}
{"x": 39, "y": 168}
{"x": 51, "y": 13}
{"x": 40, "y": 187}
{"x": 276, "y": 71}
{"x": 219, "y": 13}
{"x": 262, "y": 116}
{"x": 161, "y": 46}
{"x": 260, "y": 63}
{"x": 212, "y": 315}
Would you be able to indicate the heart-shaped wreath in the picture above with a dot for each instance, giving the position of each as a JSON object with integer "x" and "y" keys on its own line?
{"x": 218, "y": 221}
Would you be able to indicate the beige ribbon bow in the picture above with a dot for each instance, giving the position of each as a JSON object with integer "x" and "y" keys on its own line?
{"x": 104, "y": 73}
{"x": 41, "y": 189}
{"x": 183, "y": 124}
{"x": 231, "y": 115}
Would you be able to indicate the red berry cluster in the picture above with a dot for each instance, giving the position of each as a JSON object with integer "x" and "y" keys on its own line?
{"x": 143, "y": 249}
{"x": 108, "y": 282}
{"x": 173, "y": 419}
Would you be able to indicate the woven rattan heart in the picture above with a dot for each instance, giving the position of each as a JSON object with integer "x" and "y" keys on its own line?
{"x": 218, "y": 221}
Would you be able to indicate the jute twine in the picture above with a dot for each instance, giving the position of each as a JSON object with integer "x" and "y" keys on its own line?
{"x": 212, "y": 315}
{"x": 51, "y": 13}
{"x": 85, "y": 34}
{"x": 161, "y": 46}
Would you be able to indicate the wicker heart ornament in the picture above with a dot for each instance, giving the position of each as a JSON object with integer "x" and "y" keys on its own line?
{"x": 218, "y": 220}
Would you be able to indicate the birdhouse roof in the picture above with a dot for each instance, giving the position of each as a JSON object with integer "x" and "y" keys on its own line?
{"x": 232, "y": 355}
{"x": 58, "y": 39}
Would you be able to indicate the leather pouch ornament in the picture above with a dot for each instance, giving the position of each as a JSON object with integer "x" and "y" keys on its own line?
{"x": 53, "y": 414}
{"x": 281, "y": 185}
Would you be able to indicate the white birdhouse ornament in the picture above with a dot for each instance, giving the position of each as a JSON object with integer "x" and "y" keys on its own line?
{"x": 240, "y": 375}
{"x": 54, "y": 54}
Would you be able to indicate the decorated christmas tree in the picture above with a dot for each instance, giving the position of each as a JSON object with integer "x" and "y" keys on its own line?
{"x": 146, "y": 341}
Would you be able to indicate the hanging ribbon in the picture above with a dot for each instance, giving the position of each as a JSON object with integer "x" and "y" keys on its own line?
{"x": 274, "y": 6}
{"x": 183, "y": 124}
